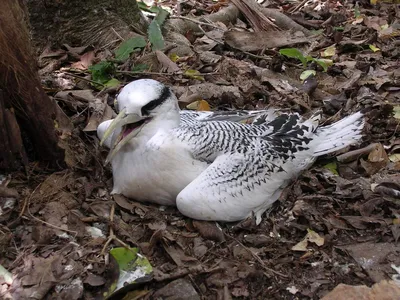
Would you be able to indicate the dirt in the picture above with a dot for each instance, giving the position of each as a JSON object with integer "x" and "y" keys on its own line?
{"x": 339, "y": 223}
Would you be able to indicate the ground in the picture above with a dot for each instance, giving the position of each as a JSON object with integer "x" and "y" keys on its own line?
{"x": 338, "y": 223}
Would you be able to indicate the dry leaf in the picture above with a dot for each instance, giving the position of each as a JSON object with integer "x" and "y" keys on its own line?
{"x": 200, "y": 105}
{"x": 166, "y": 62}
{"x": 311, "y": 237}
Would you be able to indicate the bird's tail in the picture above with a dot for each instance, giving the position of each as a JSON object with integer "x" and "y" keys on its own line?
{"x": 339, "y": 135}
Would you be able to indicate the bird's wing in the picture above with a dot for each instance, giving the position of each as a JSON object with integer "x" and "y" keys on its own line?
{"x": 252, "y": 164}
{"x": 274, "y": 132}
{"x": 232, "y": 188}
{"x": 241, "y": 116}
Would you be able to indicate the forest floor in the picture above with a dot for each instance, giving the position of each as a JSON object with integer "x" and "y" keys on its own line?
{"x": 338, "y": 223}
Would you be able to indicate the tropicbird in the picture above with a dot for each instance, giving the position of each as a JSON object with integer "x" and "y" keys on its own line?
{"x": 210, "y": 167}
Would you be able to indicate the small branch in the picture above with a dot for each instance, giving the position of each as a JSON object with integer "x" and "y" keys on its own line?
{"x": 27, "y": 204}
{"x": 112, "y": 236}
{"x": 198, "y": 269}
{"x": 197, "y": 22}
{"x": 258, "y": 258}
{"x": 83, "y": 78}
{"x": 118, "y": 35}
{"x": 211, "y": 38}
{"x": 298, "y": 7}
{"x": 161, "y": 73}
{"x": 355, "y": 154}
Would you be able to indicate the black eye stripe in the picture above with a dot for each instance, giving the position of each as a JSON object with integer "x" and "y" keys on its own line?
{"x": 165, "y": 94}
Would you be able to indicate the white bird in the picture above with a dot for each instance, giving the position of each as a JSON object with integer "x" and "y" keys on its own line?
{"x": 210, "y": 167}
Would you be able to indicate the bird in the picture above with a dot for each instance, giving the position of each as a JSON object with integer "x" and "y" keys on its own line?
{"x": 213, "y": 166}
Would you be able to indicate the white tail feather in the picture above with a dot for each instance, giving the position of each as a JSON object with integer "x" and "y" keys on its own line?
{"x": 339, "y": 135}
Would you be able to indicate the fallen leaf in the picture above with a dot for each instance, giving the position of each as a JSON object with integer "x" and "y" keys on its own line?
{"x": 132, "y": 266}
{"x": 174, "y": 57}
{"x": 394, "y": 157}
{"x": 396, "y": 112}
{"x": 293, "y": 290}
{"x": 127, "y": 47}
{"x": 307, "y": 73}
{"x": 374, "y": 48}
{"x": 155, "y": 36}
{"x": 332, "y": 166}
{"x": 5, "y": 276}
{"x": 200, "y": 105}
{"x": 301, "y": 246}
{"x": 112, "y": 83}
{"x": 315, "y": 238}
{"x": 166, "y": 62}
{"x": 94, "y": 280}
{"x": 311, "y": 237}
{"x": 85, "y": 61}
{"x": 193, "y": 74}
{"x": 328, "y": 52}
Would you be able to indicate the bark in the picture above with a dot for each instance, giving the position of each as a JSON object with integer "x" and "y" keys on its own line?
{"x": 24, "y": 100}
{"x": 78, "y": 23}
{"x": 12, "y": 152}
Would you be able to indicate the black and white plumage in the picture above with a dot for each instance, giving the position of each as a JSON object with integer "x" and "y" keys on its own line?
{"x": 211, "y": 167}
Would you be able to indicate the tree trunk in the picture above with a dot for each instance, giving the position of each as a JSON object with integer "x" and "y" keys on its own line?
{"x": 23, "y": 99}
{"x": 90, "y": 22}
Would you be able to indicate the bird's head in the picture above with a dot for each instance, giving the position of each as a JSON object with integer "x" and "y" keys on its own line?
{"x": 141, "y": 104}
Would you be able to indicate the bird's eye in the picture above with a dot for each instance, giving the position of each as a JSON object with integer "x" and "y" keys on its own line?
{"x": 150, "y": 106}
{"x": 164, "y": 94}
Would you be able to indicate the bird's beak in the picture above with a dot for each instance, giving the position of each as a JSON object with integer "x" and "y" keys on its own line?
{"x": 125, "y": 136}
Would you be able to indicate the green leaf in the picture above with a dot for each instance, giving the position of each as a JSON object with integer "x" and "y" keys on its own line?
{"x": 132, "y": 267}
{"x": 128, "y": 46}
{"x": 193, "y": 74}
{"x": 143, "y": 6}
{"x": 373, "y": 48}
{"x": 112, "y": 83}
{"x": 332, "y": 166}
{"x": 161, "y": 16}
{"x": 102, "y": 72}
{"x": 155, "y": 36}
{"x": 307, "y": 73}
{"x": 294, "y": 53}
{"x": 140, "y": 68}
{"x": 324, "y": 63}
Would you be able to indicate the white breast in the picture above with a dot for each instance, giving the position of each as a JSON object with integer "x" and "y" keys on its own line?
{"x": 155, "y": 171}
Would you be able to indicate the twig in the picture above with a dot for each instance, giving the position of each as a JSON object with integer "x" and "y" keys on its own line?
{"x": 112, "y": 236}
{"x": 257, "y": 56}
{"x": 211, "y": 38}
{"x": 117, "y": 34}
{"x": 258, "y": 258}
{"x": 197, "y": 22}
{"x": 355, "y": 154}
{"x": 26, "y": 206}
{"x": 298, "y": 7}
{"x": 198, "y": 269}
{"x": 83, "y": 78}
{"x": 162, "y": 73}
